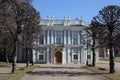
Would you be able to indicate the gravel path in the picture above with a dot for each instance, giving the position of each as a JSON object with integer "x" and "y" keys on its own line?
{"x": 62, "y": 72}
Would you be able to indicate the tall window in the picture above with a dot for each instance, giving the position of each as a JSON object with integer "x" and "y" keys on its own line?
{"x": 75, "y": 37}
{"x": 41, "y": 39}
{"x": 58, "y": 37}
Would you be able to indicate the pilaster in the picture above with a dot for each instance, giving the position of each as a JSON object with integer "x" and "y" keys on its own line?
{"x": 69, "y": 37}
{"x": 78, "y": 37}
{"x": 48, "y": 37}
{"x": 69, "y": 55}
{"x": 83, "y": 56}
{"x": 64, "y": 56}
{"x": 52, "y": 37}
{"x": 48, "y": 55}
{"x": 65, "y": 37}
{"x": 79, "y": 56}
{"x": 44, "y": 37}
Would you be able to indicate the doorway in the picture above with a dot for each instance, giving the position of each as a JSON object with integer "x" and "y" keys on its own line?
{"x": 58, "y": 57}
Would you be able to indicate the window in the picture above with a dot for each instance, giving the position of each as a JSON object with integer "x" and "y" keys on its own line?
{"x": 41, "y": 57}
{"x": 75, "y": 56}
{"x": 41, "y": 39}
{"x": 75, "y": 39}
{"x": 58, "y": 37}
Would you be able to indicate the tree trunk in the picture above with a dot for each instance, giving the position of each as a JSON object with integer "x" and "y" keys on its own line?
{"x": 94, "y": 59}
{"x": 94, "y": 55}
{"x": 14, "y": 57}
{"x": 7, "y": 61}
{"x": 5, "y": 49}
{"x": 31, "y": 56}
{"x": 27, "y": 56}
{"x": 111, "y": 60}
{"x": 6, "y": 55}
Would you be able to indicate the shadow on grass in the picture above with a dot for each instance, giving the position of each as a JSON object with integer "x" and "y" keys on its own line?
{"x": 62, "y": 73}
{"x": 51, "y": 67}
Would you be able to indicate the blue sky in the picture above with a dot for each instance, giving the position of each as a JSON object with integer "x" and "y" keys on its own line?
{"x": 73, "y": 8}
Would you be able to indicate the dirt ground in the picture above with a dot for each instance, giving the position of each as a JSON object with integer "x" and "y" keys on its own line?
{"x": 62, "y": 72}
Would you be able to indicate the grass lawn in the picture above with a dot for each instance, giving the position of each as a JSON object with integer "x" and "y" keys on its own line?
{"x": 115, "y": 76}
{"x": 3, "y": 64}
{"x": 116, "y": 59}
{"x": 17, "y": 75}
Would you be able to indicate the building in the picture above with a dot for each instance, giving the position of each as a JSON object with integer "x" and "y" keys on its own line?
{"x": 61, "y": 41}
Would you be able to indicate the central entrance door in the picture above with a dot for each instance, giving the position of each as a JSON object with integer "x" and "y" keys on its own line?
{"x": 58, "y": 57}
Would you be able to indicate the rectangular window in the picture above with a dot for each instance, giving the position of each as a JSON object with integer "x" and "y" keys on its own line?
{"x": 58, "y": 37}
{"x": 41, "y": 39}
{"x": 41, "y": 57}
{"x": 75, "y": 39}
{"x": 75, "y": 56}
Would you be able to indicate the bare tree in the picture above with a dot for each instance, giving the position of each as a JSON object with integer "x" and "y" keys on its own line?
{"x": 92, "y": 32}
{"x": 13, "y": 15}
{"x": 30, "y": 27}
{"x": 109, "y": 22}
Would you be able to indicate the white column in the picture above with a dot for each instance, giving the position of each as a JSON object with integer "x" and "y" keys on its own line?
{"x": 78, "y": 37}
{"x": 48, "y": 56}
{"x": 37, "y": 56}
{"x": 55, "y": 36}
{"x": 69, "y": 56}
{"x": 52, "y": 37}
{"x": 97, "y": 54}
{"x": 69, "y": 40}
{"x": 79, "y": 56}
{"x": 64, "y": 56}
{"x": 34, "y": 56}
{"x": 83, "y": 56}
{"x": 52, "y": 56}
{"x": 65, "y": 37}
{"x": 48, "y": 37}
{"x": 44, "y": 37}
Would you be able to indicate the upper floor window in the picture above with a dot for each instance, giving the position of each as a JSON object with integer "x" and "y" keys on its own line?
{"x": 58, "y": 37}
{"x": 75, "y": 32}
{"x": 41, "y": 39}
{"x": 75, "y": 39}
{"x": 58, "y": 31}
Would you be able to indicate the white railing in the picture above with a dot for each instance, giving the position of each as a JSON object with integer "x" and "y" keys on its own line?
{"x": 46, "y": 22}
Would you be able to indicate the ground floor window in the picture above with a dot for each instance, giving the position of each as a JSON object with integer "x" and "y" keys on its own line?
{"x": 41, "y": 57}
{"x": 75, "y": 56}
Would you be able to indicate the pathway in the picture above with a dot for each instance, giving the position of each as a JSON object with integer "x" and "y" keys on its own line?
{"x": 62, "y": 72}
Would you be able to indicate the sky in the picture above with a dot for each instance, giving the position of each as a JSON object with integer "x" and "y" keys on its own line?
{"x": 73, "y": 8}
